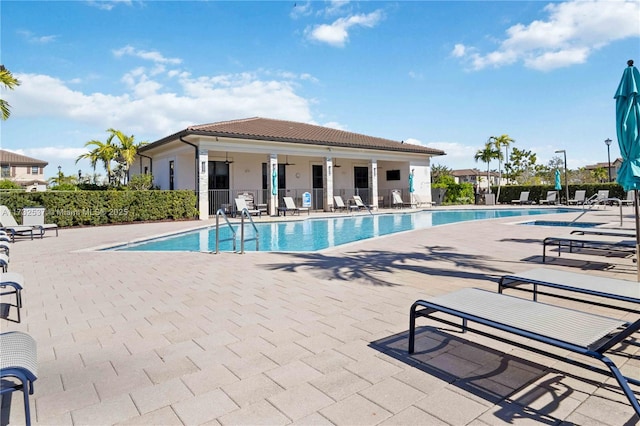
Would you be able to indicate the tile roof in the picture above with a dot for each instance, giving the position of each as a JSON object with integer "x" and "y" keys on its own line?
{"x": 266, "y": 129}
{"x": 13, "y": 159}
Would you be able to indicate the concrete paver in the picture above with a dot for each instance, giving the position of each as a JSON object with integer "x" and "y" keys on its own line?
{"x": 295, "y": 338}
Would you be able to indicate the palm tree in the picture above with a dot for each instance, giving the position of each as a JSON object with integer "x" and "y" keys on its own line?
{"x": 9, "y": 82}
{"x": 488, "y": 153}
{"x": 499, "y": 142}
{"x": 102, "y": 151}
{"x": 126, "y": 151}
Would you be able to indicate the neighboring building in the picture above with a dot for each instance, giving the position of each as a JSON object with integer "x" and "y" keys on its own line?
{"x": 476, "y": 177}
{"x": 615, "y": 165}
{"x": 25, "y": 171}
{"x": 271, "y": 159}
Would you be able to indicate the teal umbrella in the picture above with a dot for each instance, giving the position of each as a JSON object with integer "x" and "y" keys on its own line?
{"x": 558, "y": 182}
{"x": 411, "y": 189}
{"x": 628, "y": 132}
{"x": 274, "y": 181}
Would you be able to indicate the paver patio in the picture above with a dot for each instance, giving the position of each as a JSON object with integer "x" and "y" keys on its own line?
{"x": 298, "y": 338}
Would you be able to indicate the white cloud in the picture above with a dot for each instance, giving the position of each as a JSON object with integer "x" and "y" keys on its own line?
{"x": 32, "y": 38}
{"x": 149, "y": 108}
{"x": 570, "y": 34}
{"x": 337, "y": 33}
{"x": 108, "y": 4}
{"x": 153, "y": 56}
{"x": 301, "y": 9}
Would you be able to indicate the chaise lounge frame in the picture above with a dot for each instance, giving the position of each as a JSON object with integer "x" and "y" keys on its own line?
{"x": 609, "y": 288}
{"x": 593, "y": 242}
{"x": 580, "y": 332}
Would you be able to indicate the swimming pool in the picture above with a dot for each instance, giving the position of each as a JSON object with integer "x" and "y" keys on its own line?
{"x": 318, "y": 234}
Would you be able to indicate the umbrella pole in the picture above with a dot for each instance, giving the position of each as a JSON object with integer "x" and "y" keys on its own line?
{"x": 637, "y": 233}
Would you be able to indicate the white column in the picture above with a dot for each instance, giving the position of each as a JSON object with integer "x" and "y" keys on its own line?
{"x": 203, "y": 183}
{"x": 328, "y": 178}
{"x": 373, "y": 183}
{"x": 273, "y": 184}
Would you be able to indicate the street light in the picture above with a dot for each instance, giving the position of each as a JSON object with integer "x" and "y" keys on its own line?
{"x": 566, "y": 179}
{"x": 608, "y": 142}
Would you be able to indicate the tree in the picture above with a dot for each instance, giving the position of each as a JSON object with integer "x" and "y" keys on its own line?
{"x": 600, "y": 175}
{"x": 119, "y": 148}
{"x": 522, "y": 167}
{"x": 9, "y": 82}
{"x": 439, "y": 172}
{"x": 488, "y": 153}
{"x": 499, "y": 142}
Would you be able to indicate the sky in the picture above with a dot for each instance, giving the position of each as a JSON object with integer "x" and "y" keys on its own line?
{"x": 444, "y": 74}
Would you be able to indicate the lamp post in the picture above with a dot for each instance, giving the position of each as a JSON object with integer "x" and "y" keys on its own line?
{"x": 566, "y": 179}
{"x": 608, "y": 142}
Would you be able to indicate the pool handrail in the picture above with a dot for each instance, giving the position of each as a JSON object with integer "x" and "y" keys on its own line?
{"x": 245, "y": 213}
{"x": 219, "y": 213}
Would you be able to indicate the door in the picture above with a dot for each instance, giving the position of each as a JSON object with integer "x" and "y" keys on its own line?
{"x": 218, "y": 185}
{"x": 361, "y": 183}
{"x": 317, "y": 183}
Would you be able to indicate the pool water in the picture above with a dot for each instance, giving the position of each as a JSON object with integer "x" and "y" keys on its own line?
{"x": 561, "y": 223}
{"x": 318, "y": 234}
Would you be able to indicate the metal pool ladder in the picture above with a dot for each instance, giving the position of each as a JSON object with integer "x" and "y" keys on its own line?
{"x": 243, "y": 213}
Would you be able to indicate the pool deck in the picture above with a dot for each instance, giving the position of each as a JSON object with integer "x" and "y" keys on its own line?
{"x": 302, "y": 338}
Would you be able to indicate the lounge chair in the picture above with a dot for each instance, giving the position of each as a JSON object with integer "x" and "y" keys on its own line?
{"x": 602, "y": 287}
{"x": 551, "y": 198}
{"x": 4, "y": 262}
{"x": 357, "y": 201}
{"x": 568, "y": 329}
{"x": 16, "y": 281}
{"x": 630, "y": 200}
{"x": 18, "y": 361}
{"x": 397, "y": 200}
{"x": 578, "y": 197}
{"x": 241, "y": 205}
{"x": 612, "y": 232}
{"x": 606, "y": 243}
{"x": 290, "y": 205}
{"x": 524, "y": 198}
{"x": 338, "y": 204}
{"x": 601, "y": 197}
{"x": 9, "y": 224}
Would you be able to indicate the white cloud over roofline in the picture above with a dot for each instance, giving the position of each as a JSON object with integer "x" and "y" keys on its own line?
{"x": 337, "y": 33}
{"x": 570, "y": 34}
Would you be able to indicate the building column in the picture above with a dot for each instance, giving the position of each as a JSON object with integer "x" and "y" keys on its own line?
{"x": 273, "y": 184}
{"x": 203, "y": 183}
{"x": 373, "y": 183}
{"x": 328, "y": 179}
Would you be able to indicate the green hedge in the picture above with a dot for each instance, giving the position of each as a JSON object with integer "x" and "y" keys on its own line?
{"x": 537, "y": 193}
{"x": 73, "y": 208}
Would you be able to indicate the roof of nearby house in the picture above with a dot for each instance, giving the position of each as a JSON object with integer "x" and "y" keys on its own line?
{"x": 603, "y": 165}
{"x": 267, "y": 129}
{"x": 12, "y": 159}
{"x": 471, "y": 172}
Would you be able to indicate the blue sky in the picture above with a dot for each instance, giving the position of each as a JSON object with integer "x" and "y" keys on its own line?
{"x": 442, "y": 74}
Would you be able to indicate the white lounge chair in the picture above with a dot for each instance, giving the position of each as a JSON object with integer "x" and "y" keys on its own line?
{"x": 18, "y": 361}
{"x": 15, "y": 281}
{"x": 8, "y": 223}
{"x": 397, "y": 200}
{"x": 551, "y": 198}
{"x": 578, "y": 197}
{"x": 357, "y": 201}
{"x": 524, "y": 198}
{"x": 600, "y": 198}
{"x": 338, "y": 204}
{"x": 601, "y": 243}
{"x": 241, "y": 205}
{"x": 290, "y": 205}
{"x": 630, "y": 200}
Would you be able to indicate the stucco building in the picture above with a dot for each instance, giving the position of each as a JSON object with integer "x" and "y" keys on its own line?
{"x": 25, "y": 171}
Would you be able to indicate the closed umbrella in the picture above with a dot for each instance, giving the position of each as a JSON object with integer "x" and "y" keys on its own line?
{"x": 628, "y": 132}
{"x": 558, "y": 185}
{"x": 411, "y": 188}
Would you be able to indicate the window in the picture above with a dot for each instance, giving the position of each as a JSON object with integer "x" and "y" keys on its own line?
{"x": 393, "y": 174}
{"x": 6, "y": 171}
{"x": 171, "y": 174}
{"x": 35, "y": 170}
